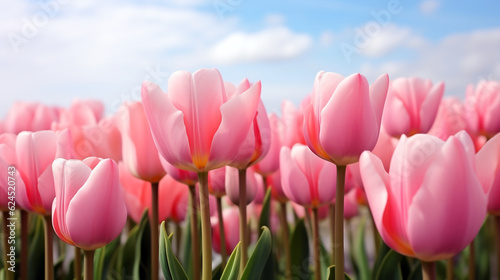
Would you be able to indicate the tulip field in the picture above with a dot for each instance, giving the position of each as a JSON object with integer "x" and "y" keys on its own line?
{"x": 381, "y": 180}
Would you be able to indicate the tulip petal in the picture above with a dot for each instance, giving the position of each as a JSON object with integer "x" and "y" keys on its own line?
{"x": 450, "y": 202}
{"x": 395, "y": 119}
{"x": 295, "y": 184}
{"x": 430, "y": 106}
{"x": 348, "y": 122}
{"x": 238, "y": 114}
{"x": 327, "y": 183}
{"x": 488, "y": 171}
{"x": 167, "y": 126}
{"x": 378, "y": 94}
{"x": 97, "y": 213}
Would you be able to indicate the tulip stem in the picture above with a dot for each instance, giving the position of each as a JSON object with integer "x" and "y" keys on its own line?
{"x": 286, "y": 242}
{"x": 178, "y": 238}
{"x": 316, "y": 244}
{"x": 155, "y": 251}
{"x": 206, "y": 234}
{"x": 24, "y": 244}
{"x": 9, "y": 275}
{"x": 339, "y": 223}
{"x": 472, "y": 260}
{"x": 242, "y": 179}
{"x": 449, "y": 269}
{"x": 49, "y": 262}
{"x": 222, "y": 232}
{"x": 428, "y": 270}
{"x": 88, "y": 265}
{"x": 331, "y": 217}
{"x": 497, "y": 237}
{"x": 195, "y": 240}
{"x": 78, "y": 264}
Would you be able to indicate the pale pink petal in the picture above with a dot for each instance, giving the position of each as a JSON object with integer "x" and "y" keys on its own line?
{"x": 430, "y": 106}
{"x": 450, "y": 207}
{"x": 396, "y": 119}
{"x": 97, "y": 213}
{"x": 488, "y": 171}
{"x": 294, "y": 183}
{"x": 378, "y": 93}
{"x": 327, "y": 183}
{"x": 167, "y": 127}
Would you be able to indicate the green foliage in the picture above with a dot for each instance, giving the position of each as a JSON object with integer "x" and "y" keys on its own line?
{"x": 300, "y": 251}
{"x": 258, "y": 259}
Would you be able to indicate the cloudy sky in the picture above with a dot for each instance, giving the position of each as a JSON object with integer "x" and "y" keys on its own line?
{"x": 57, "y": 50}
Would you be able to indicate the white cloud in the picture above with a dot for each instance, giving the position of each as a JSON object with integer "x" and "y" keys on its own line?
{"x": 390, "y": 38}
{"x": 458, "y": 59}
{"x": 278, "y": 43}
{"x": 275, "y": 19}
{"x": 429, "y": 7}
{"x": 326, "y": 39}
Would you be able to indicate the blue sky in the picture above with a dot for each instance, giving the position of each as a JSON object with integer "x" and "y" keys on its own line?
{"x": 55, "y": 51}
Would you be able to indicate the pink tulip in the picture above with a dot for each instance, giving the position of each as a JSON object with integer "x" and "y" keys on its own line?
{"x": 343, "y": 119}
{"x": 217, "y": 182}
{"x": 293, "y": 122}
{"x": 274, "y": 182}
{"x": 80, "y": 113}
{"x": 450, "y": 119}
{"x": 300, "y": 210}
{"x": 258, "y": 140}
{"x": 35, "y": 153}
{"x": 271, "y": 162}
{"x": 482, "y": 107}
{"x": 306, "y": 179}
{"x": 7, "y": 159}
{"x": 411, "y": 106}
{"x": 196, "y": 126}
{"x": 431, "y": 204}
{"x": 488, "y": 169}
{"x": 138, "y": 149}
{"x": 186, "y": 177}
{"x": 351, "y": 209}
{"x": 88, "y": 210}
{"x": 231, "y": 230}
{"x": 254, "y": 181}
{"x": 24, "y": 116}
{"x": 137, "y": 195}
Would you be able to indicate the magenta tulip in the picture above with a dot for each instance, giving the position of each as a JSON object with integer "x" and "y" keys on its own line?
{"x": 138, "y": 149}
{"x": 411, "y": 106}
{"x": 306, "y": 179}
{"x": 431, "y": 204}
{"x": 89, "y": 210}
{"x": 343, "y": 119}
{"x": 482, "y": 108}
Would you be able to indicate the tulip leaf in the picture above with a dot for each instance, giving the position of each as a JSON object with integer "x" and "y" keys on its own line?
{"x": 36, "y": 248}
{"x": 217, "y": 272}
{"x": 265, "y": 214}
{"x": 172, "y": 269}
{"x": 359, "y": 252}
{"x": 258, "y": 259}
{"x": 102, "y": 258}
{"x": 135, "y": 258}
{"x": 232, "y": 268}
{"x": 389, "y": 267}
{"x": 331, "y": 274}
{"x": 384, "y": 249}
{"x": 127, "y": 256}
{"x": 300, "y": 251}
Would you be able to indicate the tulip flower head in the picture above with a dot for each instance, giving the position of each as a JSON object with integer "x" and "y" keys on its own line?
{"x": 431, "y": 204}
{"x": 89, "y": 210}
{"x": 482, "y": 108}
{"x": 488, "y": 169}
{"x": 344, "y": 116}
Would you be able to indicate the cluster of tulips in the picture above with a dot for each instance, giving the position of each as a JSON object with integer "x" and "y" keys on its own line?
{"x": 142, "y": 192}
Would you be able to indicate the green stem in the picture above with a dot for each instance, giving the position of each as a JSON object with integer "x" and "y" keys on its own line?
{"x": 49, "y": 262}
{"x": 155, "y": 247}
{"x": 286, "y": 242}
{"x": 428, "y": 270}
{"x": 339, "y": 223}
{"x": 331, "y": 218}
{"x": 472, "y": 261}
{"x": 88, "y": 265}
{"x": 9, "y": 275}
{"x": 78, "y": 264}
{"x": 24, "y": 244}
{"x": 206, "y": 234}
{"x": 316, "y": 244}
{"x": 242, "y": 178}
{"x": 449, "y": 269}
{"x": 222, "y": 232}
{"x": 195, "y": 239}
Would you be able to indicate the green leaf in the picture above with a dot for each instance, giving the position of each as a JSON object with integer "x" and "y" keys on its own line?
{"x": 175, "y": 270}
{"x": 258, "y": 259}
{"x": 135, "y": 258}
{"x": 360, "y": 252}
{"x": 217, "y": 272}
{"x": 163, "y": 253}
{"x": 389, "y": 267}
{"x": 103, "y": 257}
{"x": 265, "y": 214}
{"x": 300, "y": 251}
{"x": 233, "y": 265}
{"x": 325, "y": 260}
{"x": 127, "y": 255}
{"x": 331, "y": 274}
{"x": 384, "y": 249}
